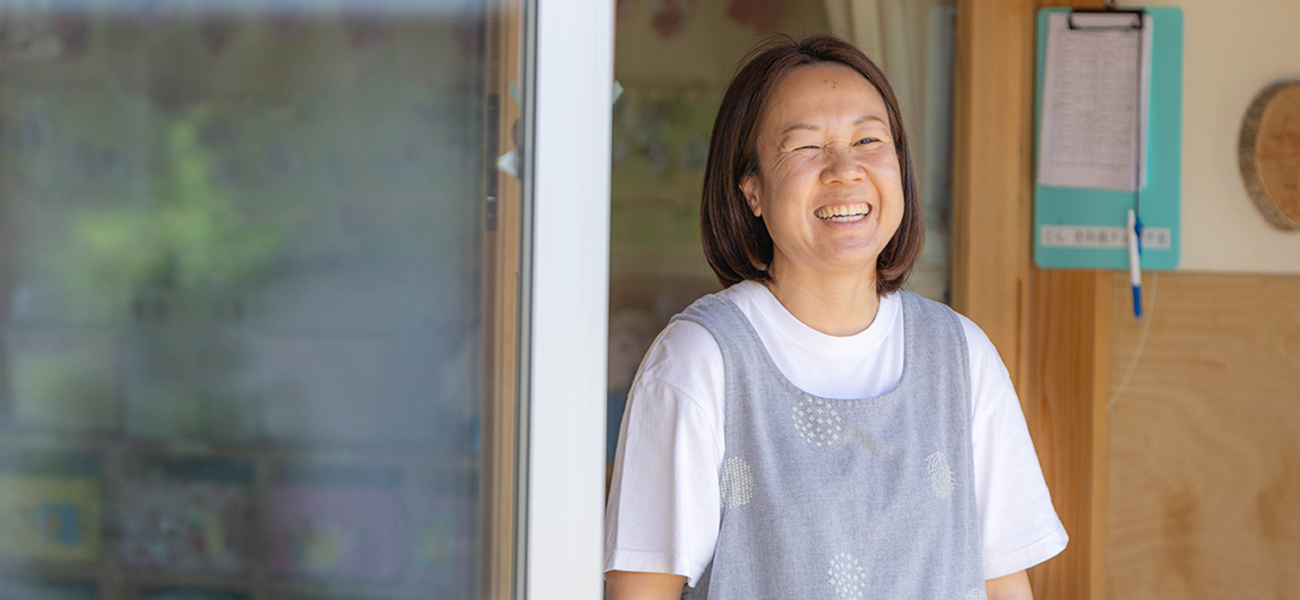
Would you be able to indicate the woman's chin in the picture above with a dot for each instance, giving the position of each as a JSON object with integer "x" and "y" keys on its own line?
{"x": 832, "y": 267}
{"x": 850, "y": 256}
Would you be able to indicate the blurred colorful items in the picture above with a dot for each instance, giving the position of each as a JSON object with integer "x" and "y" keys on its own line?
{"x": 43, "y": 34}
{"x": 63, "y": 379}
{"x": 47, "y": 590}
{"x": 670, "y": 17}
{"x": 340, "y": 523}
{"x": 49, "y": 508}
{"x": 192, "y": 594}
{"x": 188, "y": 515}
{"x": 444, "y": 537}
{"x": 755, "y": 14}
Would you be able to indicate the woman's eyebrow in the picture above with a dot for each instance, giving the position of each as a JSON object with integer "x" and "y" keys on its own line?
{"x": 809, "y": 127}
{"x": 801, "y": 126}
{"x": 865, "y": 118}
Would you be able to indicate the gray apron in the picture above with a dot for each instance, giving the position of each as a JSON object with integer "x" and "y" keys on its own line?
{"x": 845, "y": 499}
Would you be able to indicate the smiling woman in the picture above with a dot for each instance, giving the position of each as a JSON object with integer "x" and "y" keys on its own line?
{"x": 828, "y": 191}
{"x": 813, "y": 431}
{"x": 831, "y": 106}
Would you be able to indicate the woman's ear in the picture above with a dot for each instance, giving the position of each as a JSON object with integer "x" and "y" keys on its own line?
{"x": 749, "y": 187}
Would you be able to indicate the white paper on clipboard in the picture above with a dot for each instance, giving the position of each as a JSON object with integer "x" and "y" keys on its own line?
{"x": 1095, "y": 101}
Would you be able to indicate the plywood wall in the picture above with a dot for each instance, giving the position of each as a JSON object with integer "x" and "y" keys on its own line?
{"x": 1204, "y": 498}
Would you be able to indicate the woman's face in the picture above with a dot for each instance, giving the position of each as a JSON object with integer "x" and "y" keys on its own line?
{"x": 829, "y": 186}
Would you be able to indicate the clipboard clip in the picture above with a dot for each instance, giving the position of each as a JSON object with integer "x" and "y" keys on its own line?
{"x": 1109, "y": 9}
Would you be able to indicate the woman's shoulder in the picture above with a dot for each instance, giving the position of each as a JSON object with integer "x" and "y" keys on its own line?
{"x": 979, "y": 346}
{"x": 740, "y": 296}
{"x": 688, "y": 335}
{"x": 683, "y": 364}
{"x": 931, "y": 308}
{"x": 684, "y": 352}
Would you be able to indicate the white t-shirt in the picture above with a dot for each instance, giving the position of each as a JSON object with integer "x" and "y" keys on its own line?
{"x": 664, "y": 503}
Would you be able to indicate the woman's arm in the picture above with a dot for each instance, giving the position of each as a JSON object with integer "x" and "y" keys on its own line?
{"x": 1011, "y": 587}
{"x": 629, "y": 585}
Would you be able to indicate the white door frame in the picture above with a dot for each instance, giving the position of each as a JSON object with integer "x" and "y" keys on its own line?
{"x": 566, "y": 370}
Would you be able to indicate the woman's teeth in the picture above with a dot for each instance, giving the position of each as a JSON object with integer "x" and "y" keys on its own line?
{"x": 844, "y": 214}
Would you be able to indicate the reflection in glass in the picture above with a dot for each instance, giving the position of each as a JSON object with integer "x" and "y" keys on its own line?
{"x": 241, "y": 267}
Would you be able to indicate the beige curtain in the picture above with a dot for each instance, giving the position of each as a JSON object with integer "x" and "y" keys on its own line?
{"x": 912, "y": 41}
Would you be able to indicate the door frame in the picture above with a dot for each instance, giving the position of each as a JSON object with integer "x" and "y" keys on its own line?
{"x": 566, "y": 282}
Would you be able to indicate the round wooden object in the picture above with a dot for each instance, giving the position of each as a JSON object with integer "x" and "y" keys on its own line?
{"x": 1269, "y": 153}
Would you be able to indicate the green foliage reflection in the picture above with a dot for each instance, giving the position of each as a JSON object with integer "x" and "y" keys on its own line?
{"x": 189, "y": 234}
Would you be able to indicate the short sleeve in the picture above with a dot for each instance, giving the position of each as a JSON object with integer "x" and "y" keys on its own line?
{"x": 664, "y": 510}
{"x": 1019, "y": 527}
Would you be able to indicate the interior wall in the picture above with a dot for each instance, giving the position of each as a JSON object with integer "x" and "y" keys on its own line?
{"x": 1204, "y": 465}
{"x": 1232, "y": 51}
{"x": 705, "y": 44}
{"x": 1204, "y": 453}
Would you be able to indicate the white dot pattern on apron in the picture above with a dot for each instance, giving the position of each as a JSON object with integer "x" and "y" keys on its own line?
{"x": 737, "y": 483}
{"x": 817, "y": 421}
{"x": 848, "y": 576}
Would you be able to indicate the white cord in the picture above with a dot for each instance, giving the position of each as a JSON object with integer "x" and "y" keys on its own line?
{"x": 1142, "y": 341}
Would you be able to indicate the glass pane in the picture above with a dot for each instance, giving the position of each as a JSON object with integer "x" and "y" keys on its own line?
{"x": 248, "y": 302}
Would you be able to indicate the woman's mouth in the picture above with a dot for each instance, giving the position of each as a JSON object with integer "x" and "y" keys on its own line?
{"x": 844, "y": 213}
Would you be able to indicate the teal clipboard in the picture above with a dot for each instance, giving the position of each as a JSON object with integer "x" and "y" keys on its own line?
{"x": 1071, "y": 225}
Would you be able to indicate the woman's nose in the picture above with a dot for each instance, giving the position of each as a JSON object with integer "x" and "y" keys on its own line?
{"x": 841, "y": 167}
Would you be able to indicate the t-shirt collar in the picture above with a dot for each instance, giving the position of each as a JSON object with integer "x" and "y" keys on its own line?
{"x": 769, "y": 309}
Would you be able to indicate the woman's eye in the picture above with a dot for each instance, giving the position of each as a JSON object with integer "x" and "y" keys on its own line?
{"x": 867, "y": 141}
{"x": 809, "y": 147}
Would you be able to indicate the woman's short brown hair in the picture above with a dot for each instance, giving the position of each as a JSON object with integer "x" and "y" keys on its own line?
{"x": 736, "y": 243}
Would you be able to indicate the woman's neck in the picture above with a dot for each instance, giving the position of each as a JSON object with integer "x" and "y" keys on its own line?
{"x": 839, "y": 305}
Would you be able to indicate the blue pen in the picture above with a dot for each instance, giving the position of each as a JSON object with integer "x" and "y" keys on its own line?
{"x": 1135, "y": 261}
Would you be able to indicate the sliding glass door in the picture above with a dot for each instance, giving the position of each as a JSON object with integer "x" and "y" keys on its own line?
{"x": 271, "y": 273}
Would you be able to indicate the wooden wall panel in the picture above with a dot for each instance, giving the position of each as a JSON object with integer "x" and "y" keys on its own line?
{"x": 1065, "y": 410}
{"x": 992, "y": 115}
{"x": 1190, "y": 486}
{"x": 1205, "y": 440}
{"x": 1049, "y": 326}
